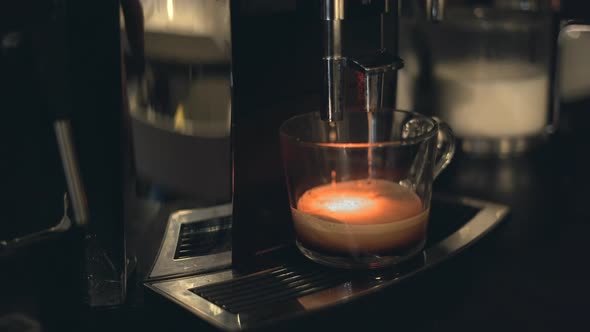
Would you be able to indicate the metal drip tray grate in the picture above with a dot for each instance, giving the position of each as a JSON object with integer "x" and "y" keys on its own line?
{"x": 195, "y": 241}
{"x": 250, "y": 293}
{"x": 293, "y": 284}
{"x": 204, "y": 238}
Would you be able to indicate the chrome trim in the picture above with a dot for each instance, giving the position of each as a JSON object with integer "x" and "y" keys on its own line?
{"x": 178, "y": 290}
{"x": 484, "y": 221}
{"x": 65, "y": 142}
{"x": 62, "y": 226}
{"x": 166, "y": 265}
{"x": 332, "y": 10}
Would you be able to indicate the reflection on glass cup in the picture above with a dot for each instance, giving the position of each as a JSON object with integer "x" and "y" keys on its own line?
{"x": 360, "y": 188}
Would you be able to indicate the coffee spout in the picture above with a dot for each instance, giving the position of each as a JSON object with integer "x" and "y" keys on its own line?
{"x": 332, "y": 104}
{"x": 373, "y": 69}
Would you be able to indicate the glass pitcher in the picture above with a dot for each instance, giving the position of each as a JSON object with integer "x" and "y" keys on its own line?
{"x": 486, "y": 70}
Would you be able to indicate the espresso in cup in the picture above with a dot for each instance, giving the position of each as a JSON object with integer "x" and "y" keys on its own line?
{"x": 360, "y": 187}
{"x": 370, "y": 216}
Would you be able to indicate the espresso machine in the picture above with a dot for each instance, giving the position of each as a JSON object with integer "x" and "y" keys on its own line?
{"x": 206, "y": 86}
{"x": 169, "y": 147}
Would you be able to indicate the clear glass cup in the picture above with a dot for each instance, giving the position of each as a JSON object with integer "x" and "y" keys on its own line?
{"x": 360, "y": 188}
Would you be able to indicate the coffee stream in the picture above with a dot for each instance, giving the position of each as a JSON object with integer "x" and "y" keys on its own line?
{"x": 371, "y": 139}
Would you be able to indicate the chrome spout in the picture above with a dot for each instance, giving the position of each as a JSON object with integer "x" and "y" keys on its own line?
{"x": 332, "y": 104}
{"x": 336, "y": 59}
{"x": 373, "y": 69}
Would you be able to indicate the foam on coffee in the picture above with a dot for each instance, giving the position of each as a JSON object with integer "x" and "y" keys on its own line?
{"x": 364, "y": 216}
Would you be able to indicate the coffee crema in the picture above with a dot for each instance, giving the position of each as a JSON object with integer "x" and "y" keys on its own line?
{"x": 361, "y": 216}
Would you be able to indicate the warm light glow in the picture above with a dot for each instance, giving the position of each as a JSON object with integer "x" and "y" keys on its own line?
{"x": 358, "y": 145}
{"x": 370, "y": 215}
{"x": 361, "y": 202}
{"x": 179, "y": 119}
{"x": 348, "y": 204}
{"x": 170, "y": 9}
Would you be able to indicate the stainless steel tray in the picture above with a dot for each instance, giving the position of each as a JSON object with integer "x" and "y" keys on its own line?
{"x": 290, "y": 285}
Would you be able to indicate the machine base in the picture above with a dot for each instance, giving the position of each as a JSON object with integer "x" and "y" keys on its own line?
{"x": 292, "y": 285}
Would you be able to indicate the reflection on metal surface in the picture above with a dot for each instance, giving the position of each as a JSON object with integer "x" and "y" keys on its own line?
{"x": 199, "y": 108}
{"x": 489, "y": 216}
{"x": 177, "y": 290}
{"x": 167, "y": 265}
{"x": 65, "y": 142}
{"x": 189, "y": 17}
{"x": 178, "y": 89}
{"x": 323, "y": 298}
{"x": 187, "y": 63}
{"x": 374, "y": 68}
{"x": 354, "y": 285}
{"x": 170, "y": 9}
{"x": 63, "y": 225}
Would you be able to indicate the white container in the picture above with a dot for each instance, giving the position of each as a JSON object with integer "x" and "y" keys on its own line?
{"x": 486, "y": 72}
{"x": 493, "y": 99}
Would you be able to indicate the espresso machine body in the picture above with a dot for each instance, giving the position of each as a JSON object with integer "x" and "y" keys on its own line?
{"x": 225, "y": 253}
{"x": 208, "y": 84}
{"x": 174, "y": 109}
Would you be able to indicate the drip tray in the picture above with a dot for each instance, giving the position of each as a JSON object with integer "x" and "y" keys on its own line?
{"x": 290, "y": 284}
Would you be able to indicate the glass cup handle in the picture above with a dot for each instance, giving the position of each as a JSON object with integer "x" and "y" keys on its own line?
{"x": 445, "y": 147}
